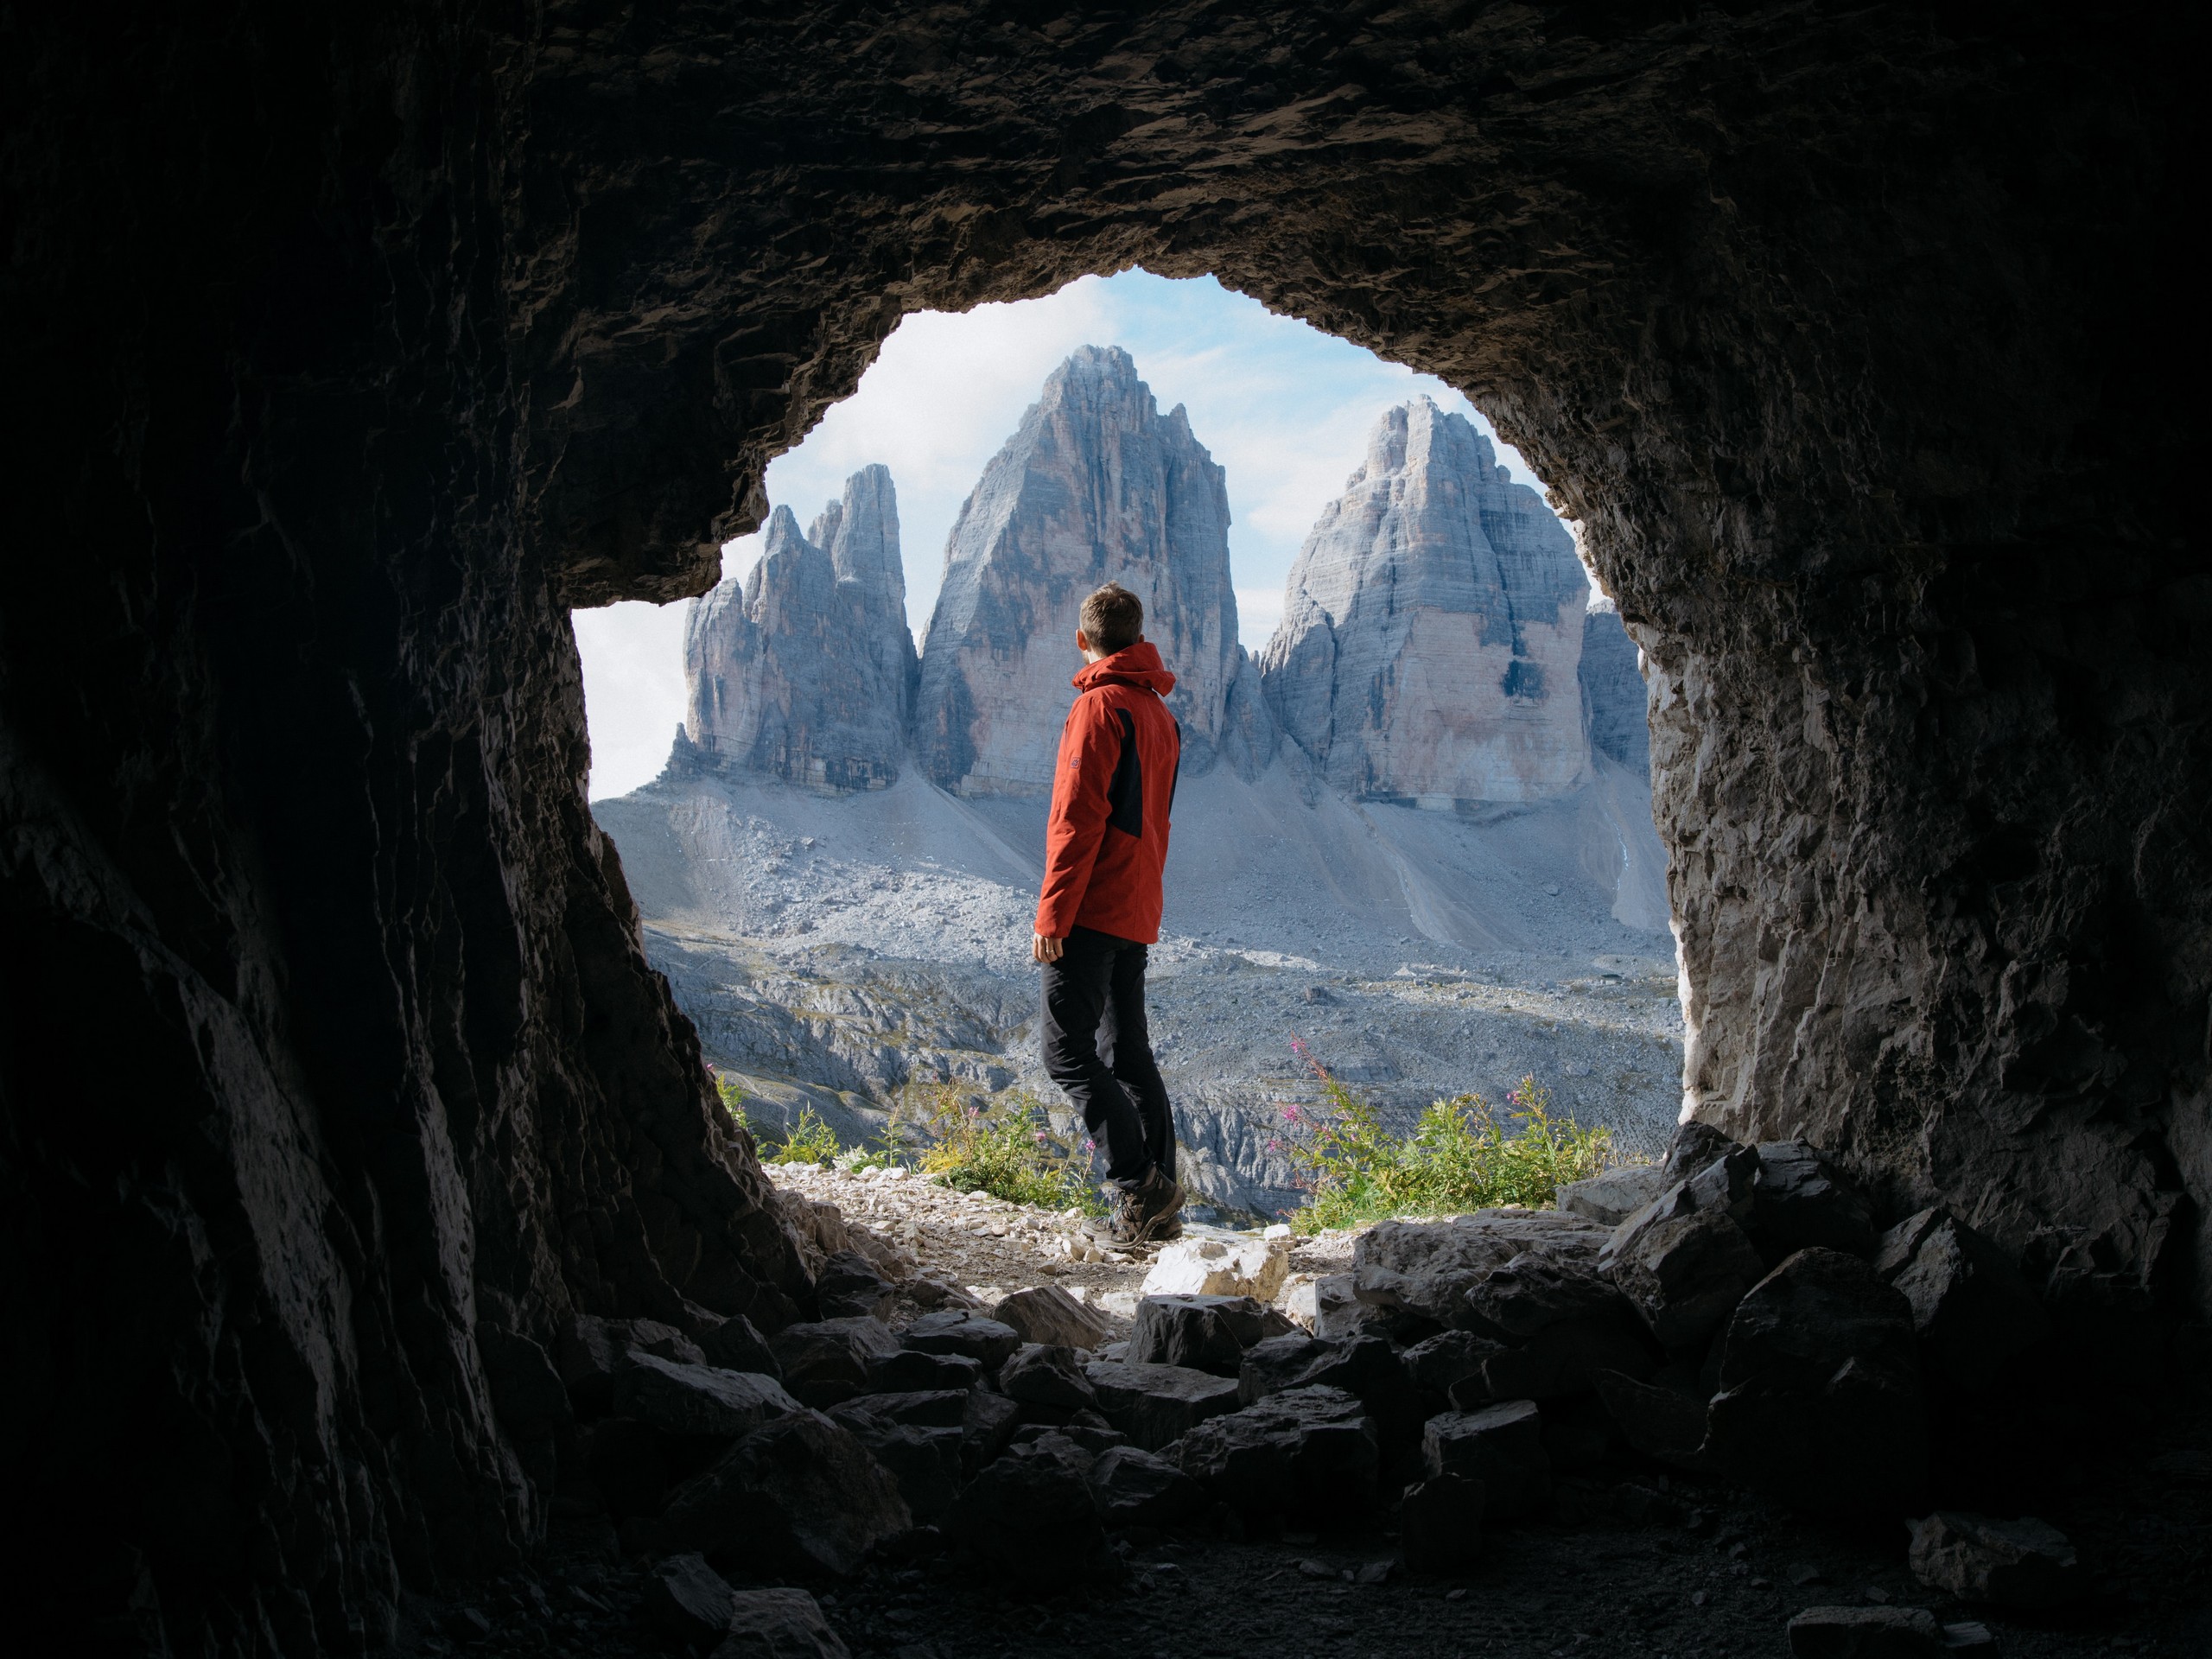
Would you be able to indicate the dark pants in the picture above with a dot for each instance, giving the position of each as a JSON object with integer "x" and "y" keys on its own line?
{"x": 1098, "y": 1050}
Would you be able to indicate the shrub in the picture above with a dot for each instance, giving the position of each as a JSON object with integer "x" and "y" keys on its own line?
{"x": 809, "y": 1141}
{"x": 1007, "y": 1148}
{"x": 1461, "y": 1156}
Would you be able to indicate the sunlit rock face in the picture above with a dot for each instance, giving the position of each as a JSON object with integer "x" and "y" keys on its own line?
{"x": 1096, "y": 486}
{"x": 1433, "y": 626}
{"x": 1613, "y": 696}
{"x": 805, "y": 670}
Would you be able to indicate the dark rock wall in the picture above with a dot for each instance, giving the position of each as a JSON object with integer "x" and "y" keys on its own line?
{"x": 326, "y": 1039}
{"x": 349, "y": 354}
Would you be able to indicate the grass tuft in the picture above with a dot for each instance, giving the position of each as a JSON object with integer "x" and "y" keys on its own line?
{"x": 1463, "y": 1154}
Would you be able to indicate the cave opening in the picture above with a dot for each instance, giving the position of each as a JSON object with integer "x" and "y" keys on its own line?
{"x": 346, "y": 1111}
{"x": 842, "y": 813}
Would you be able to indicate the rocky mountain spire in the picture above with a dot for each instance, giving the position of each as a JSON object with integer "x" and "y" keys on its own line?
{"x": 1433, "y": 626}
{"x": 1094, "y": 485}
{"x": 806, "y": 670}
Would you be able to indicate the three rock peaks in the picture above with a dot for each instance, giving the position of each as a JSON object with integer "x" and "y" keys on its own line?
{"x": 1432, "y": 650}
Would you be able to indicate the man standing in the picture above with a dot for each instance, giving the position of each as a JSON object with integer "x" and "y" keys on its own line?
{"x": 1104, "y": 848}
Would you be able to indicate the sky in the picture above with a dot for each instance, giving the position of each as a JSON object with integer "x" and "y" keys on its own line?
{"x": 1284, "y": 408}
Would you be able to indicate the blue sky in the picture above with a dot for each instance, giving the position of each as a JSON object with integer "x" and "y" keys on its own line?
{"x": 1284, "y": 408}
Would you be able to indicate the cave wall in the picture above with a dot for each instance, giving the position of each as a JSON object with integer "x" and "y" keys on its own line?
{"x": 359, "y": 351}
{"x": 333, "y": 1070}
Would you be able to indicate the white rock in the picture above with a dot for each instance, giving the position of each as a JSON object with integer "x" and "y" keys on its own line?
{"x": 1237, "y": 1266}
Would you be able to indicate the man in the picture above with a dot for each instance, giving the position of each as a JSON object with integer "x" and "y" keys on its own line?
{"x": 1100, "y": 908}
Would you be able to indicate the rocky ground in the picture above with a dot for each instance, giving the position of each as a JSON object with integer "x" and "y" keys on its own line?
{"x": 1628, "y": 1558}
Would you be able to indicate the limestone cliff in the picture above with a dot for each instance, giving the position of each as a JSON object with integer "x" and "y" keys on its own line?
{"x": 1094, "y": 485}
{"x": 1612, "y": 690}
{"x": 1433, "y": 626}
{"x": 805, "y": 670}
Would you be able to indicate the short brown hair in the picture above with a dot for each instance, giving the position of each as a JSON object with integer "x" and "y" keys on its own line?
{"x": 1112, "y": 619}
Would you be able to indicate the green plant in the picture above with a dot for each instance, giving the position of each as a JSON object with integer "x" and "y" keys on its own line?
{"x": 809, "y": 1141}
{"x": 1461, "y": 1155}
{"x": 1007, "y": 1148}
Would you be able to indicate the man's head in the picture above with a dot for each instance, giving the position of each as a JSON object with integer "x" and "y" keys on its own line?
{"x": 1111, "y": 619}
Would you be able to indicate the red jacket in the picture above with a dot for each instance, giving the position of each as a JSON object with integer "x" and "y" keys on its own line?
{"x": 1112, "y": 788}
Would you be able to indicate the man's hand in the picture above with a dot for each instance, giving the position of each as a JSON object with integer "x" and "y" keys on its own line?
{"x": 1044, "y": 950}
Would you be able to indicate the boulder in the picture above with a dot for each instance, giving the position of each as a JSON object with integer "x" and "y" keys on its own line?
{"x": 1536, "y": 1290}
{"x": 1558, "y": 1362}
{"x": 1439, "y": 1363}
{"x": 910, "y": 1370}
{"x": 1610, "y": 1198}
{"x": 1439, "y": 1522}
{"x": 1046, "y": 1374}
{"x": 1206, "y": 1333}
{"x": 929, "y": 1408}
{"x": 2027, "y": 1564}
{"x": 1339, "y": 1315}
{"x": 958, "y": 1331}
{"x": 687, "y": 1602}
{"x": 1426, "y": 1268}
{"x": 1691, "y": 1147}
{"x": 1800, "y": 1201}
{"x": 736, "y": 1345}
{"x": 1661, "y": 1423}
{"x": 1819, "y": 1401}
{"x": 798, "y": 1494}
{"x": 1048, "y": 1314}
{"x": 829, "y": 1360}
{"x": 1133, "y": 1487}
{"x": 588, "y": 1350}
{"x": 987, "y": 1424}
{"x": 927, "y": 1461}
{"x": 698, "y": 1399}
{"x": 1501, "y": 1446}
{"x": 1865, "y": 1633}
{"x": 1084, "y": 1429}
{"x": 1029, "y": 1516}
{"x": 1717, "y": 1173}
{"x": 1157, "y": 1405}
{"x": 1308, "y": 1452}
{"x": 849, "y": 1286}
{"x": 1367, "y": 1367}
{"x": 1974, "y": 1312}
{"x": 780, "y": 1623}
{"x": 1220, "y": 1267}
{"x": 1684, "y": 1274}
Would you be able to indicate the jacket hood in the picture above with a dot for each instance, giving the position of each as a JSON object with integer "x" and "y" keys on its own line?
{"x": 1137, "y": 664}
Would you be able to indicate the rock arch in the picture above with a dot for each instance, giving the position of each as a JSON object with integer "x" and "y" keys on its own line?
{"x": 359, "y": 351}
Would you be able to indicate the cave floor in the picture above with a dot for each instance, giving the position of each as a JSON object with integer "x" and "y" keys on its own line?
{"x": 1721, "y": 1578}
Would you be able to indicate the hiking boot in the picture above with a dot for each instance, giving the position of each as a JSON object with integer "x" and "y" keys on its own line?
{"x": 1160, "y": 1204}
{"x": 1121, "y": 1228}
{"x": 1144, "y": 1214}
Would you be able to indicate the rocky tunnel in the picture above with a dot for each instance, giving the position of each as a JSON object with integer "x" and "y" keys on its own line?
{"x": 351, "y": 352}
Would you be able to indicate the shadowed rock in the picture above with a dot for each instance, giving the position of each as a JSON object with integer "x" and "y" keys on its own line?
{"x": 1157, "y": 1405}
{"x": 956, "y": 1331}
{"x": 2025, "y": 1564}
{"x": 1048, "y": 1314}
{"x": 1820, "y": 1399}
{"x": 801, "y": 1495}
{"x": 1309, "y": 1453}
{"x": 1029, "y": 1517}
{"x": 1502, "y": 1447}
{"x": 1974, "y": 1312}
{"x": 1207, "y": 1333}
{"x": 829, "y": 1360}
{"x": 1865, "y": 1633}
{"x": 1133, "y": 1487}
{"x": 1440, "y": 1524}
{"x": 698, "y": 1399}
{"x": 779, "y": 1624}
